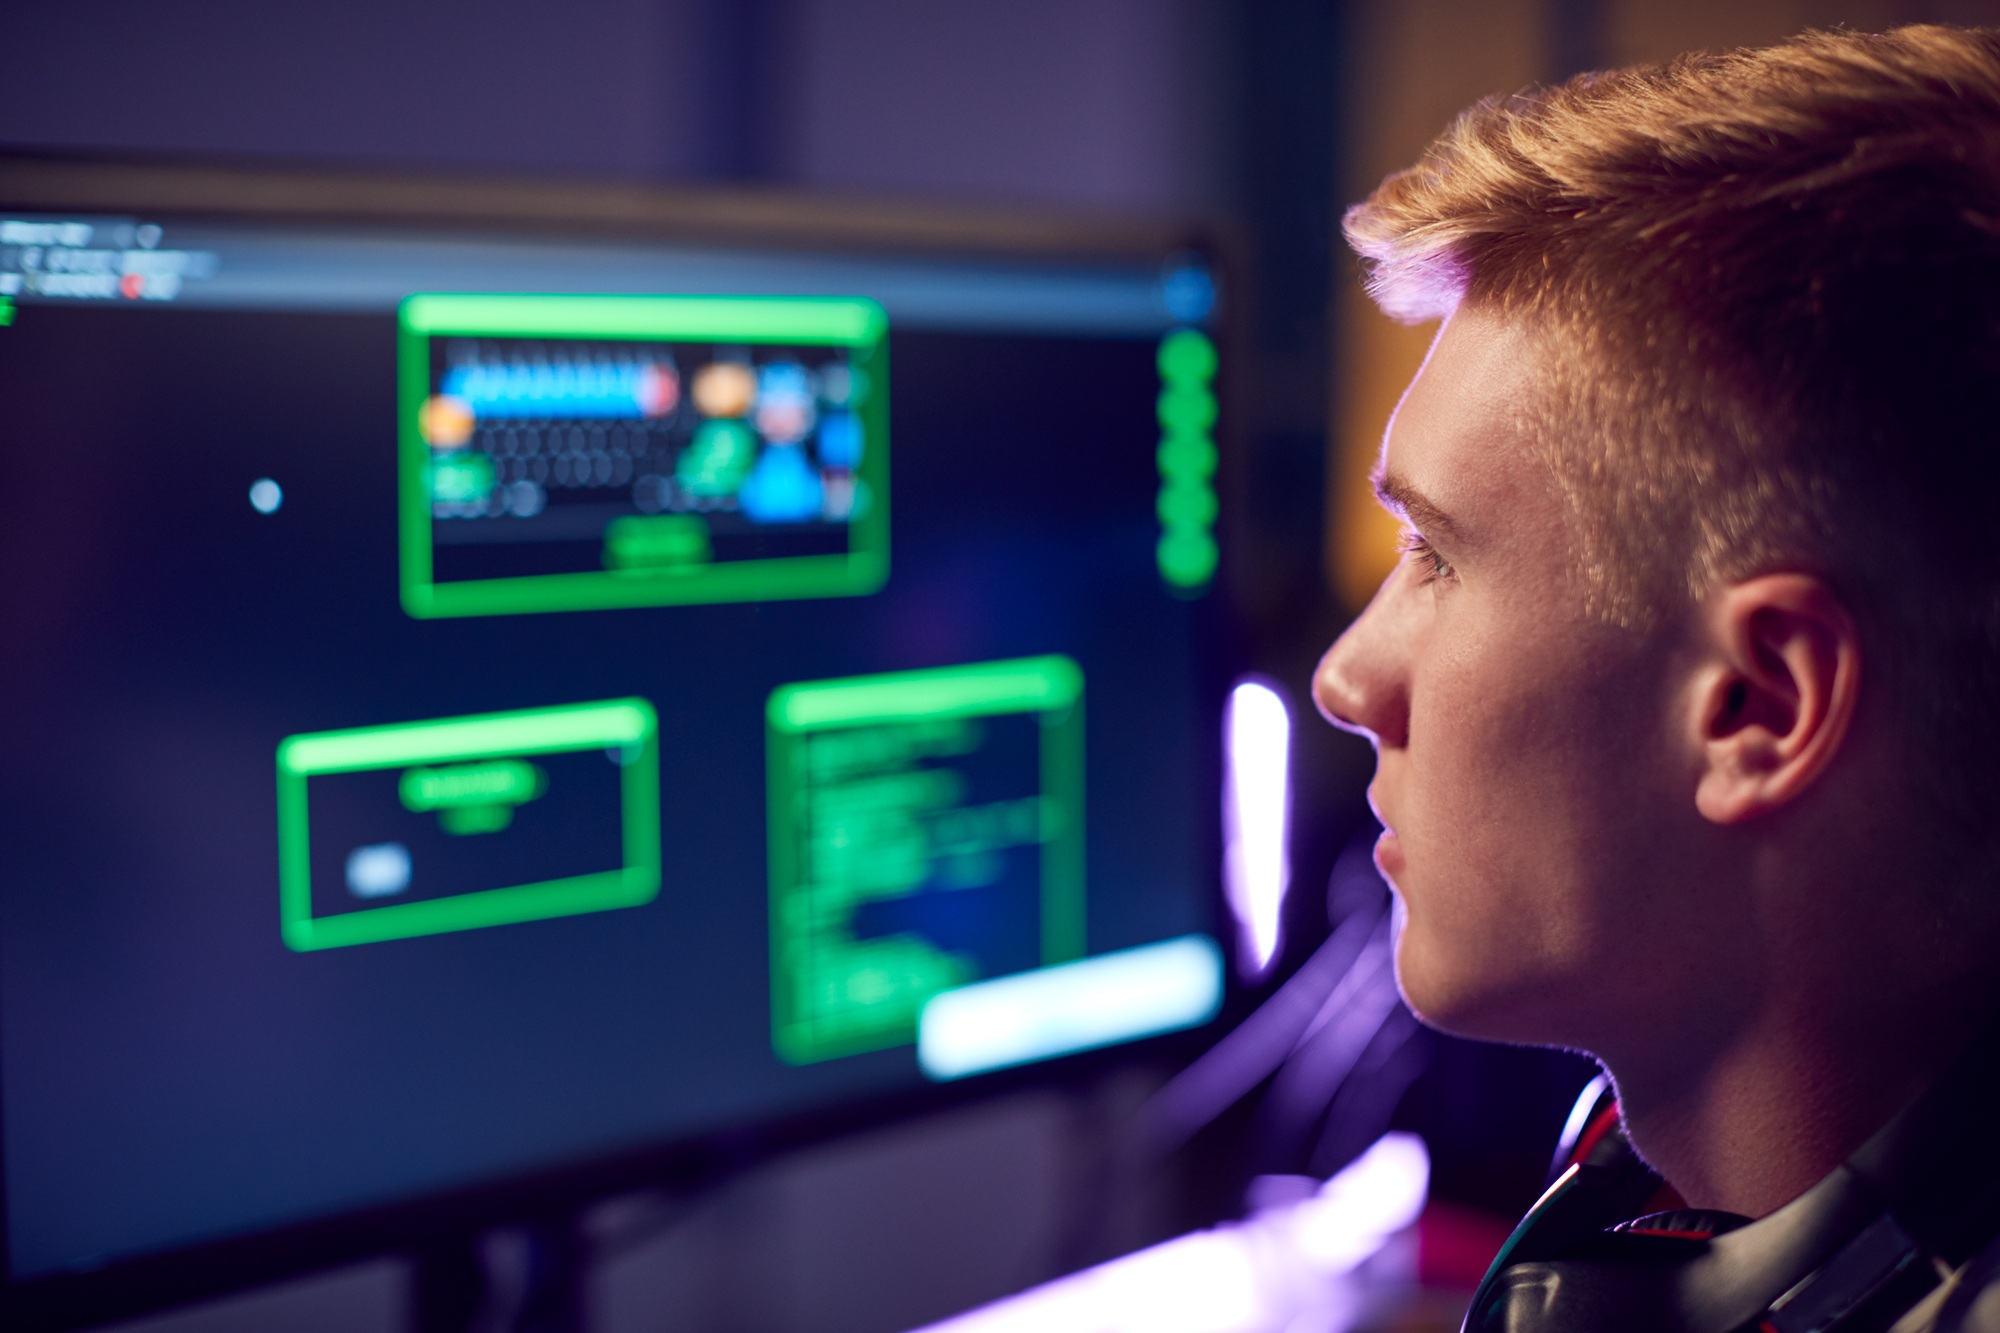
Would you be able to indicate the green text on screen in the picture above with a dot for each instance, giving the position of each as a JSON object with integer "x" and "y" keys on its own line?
{"x": 873, "y": 799}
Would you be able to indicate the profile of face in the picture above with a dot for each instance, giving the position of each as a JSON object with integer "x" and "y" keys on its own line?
{"x": 1534, "y": 778}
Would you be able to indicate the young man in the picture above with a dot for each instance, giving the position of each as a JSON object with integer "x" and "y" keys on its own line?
{"x": 1686, "y": 692}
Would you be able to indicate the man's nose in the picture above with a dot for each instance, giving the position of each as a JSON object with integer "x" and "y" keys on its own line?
{"x": 1363, "y": 681}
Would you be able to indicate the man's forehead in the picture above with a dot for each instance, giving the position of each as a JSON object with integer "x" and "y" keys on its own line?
{"x": 1458, "y": 430}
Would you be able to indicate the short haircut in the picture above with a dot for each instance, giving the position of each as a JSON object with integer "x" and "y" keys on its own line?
{"x": 1769, "y": 281}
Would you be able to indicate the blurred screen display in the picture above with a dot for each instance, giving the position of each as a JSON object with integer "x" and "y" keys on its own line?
{"x": 436, "y": 751}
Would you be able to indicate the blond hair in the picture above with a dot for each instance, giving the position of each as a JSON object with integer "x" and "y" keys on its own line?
{"x": 1769, "y": 285}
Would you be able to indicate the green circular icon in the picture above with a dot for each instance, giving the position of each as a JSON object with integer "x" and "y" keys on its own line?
{"x": 1187, "y": 558}
{"x": 1187, "y": 357}
{"x": 1187, "y": 456}
{"x": 1186, "y": 503}
{"x": 1187, "y": 409}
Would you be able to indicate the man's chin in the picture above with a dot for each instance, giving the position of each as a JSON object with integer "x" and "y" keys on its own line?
{"x": 1456, "y": 1001}
{"x": 1431, "y": 1009}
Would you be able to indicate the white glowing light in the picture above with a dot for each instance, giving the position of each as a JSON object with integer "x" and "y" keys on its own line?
{"x": 1288, "y": 1267}
{"x": 1070, "y": 1007}
{"x": 1378, "y": 1194}
{"x": 1579, "y": 1114}
{"x": 266, "y": 495}
{"x": 379, "y": 870}
{"x": 1256, "y": 810}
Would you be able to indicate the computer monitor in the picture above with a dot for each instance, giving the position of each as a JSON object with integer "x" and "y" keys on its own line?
{"x": 506, "y": 686}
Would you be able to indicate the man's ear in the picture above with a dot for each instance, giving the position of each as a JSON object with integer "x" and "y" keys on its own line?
{"x": 1775, "y": 695}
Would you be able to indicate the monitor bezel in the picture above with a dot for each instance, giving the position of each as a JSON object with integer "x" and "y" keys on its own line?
{"x": 167, "y": 188}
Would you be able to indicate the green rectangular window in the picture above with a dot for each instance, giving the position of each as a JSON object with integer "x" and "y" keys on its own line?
{"x": 419, "y": 828}
{"x": 917, "y": 818}
{"x": 571, "y": 453}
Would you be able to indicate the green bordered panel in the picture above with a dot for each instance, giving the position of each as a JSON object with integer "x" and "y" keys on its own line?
{"x": 419, "y": 828}
{"x": 571, "y": 453}
{"x": 900, "y": 804}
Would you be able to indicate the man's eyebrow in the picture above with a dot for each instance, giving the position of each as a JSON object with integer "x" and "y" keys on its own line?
{"x": 1399, "y": 497}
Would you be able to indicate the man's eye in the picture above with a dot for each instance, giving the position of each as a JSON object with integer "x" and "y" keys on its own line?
{"x": 1429, "y": 563}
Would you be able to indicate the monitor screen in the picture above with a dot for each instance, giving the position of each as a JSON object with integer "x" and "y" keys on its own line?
{"x": 480, "y": 701}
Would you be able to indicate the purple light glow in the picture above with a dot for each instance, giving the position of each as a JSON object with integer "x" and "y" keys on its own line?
{"x": 1256, "y": 810}
{"x": 1301, "y": 1264}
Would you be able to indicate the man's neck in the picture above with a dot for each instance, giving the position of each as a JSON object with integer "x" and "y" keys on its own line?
{"x": 1763, "y": 1120}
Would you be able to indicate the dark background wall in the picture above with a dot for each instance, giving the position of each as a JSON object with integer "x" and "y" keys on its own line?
{"x": 1090, "y": 103}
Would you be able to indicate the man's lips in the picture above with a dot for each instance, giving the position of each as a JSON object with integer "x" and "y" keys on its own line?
{"x": 1389, "y": 854}
{"x": 1388, "y": 849}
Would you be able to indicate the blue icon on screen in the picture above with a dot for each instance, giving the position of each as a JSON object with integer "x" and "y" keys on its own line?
{"x": 782, "y": 488}
{"x": 840, "y": 441}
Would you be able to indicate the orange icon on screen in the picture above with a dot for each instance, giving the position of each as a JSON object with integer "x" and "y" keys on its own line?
{"x": 724, "y": 389}
{"x": 445, "y": 422}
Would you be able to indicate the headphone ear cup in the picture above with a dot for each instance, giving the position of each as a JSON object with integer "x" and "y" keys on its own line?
{"x": 1527, "y": 1290}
